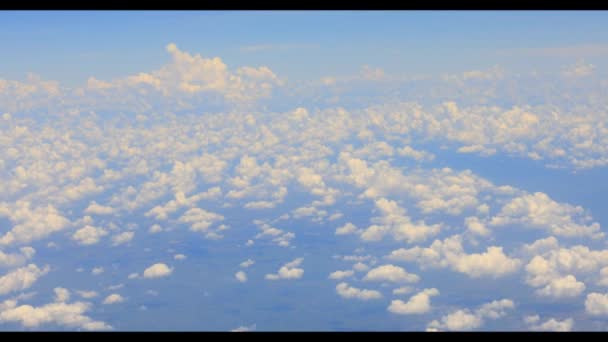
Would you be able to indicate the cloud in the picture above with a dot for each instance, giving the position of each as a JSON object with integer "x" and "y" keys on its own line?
{"x": 14, "y": 260}
{"x": 580, "y": 69}
{"x": 391, "y": 273}
{"x": 347, "y": 291}
{"x": 538, "y": 210}
{"x": 21, "y": 278}
{"x": 596, "y": 304}
{"x": 417, "y": 304}
{"x": 89, "y": 235}
{"x": 288, "y": 271}
{"x": 87, "y": 294}
{"x": 179, "y": 257}
{"x": 465, "y": 319}
{"x": 341, "y": 274}
{"x": 114, "y": 298}
{"x": 31, "y": 224}
{"x": 70, "y": 315}
{"x": 244, "y": 328}
{"x": 567, "y": 286}
{"x": 97, "y": 271}
{"x": 122, "y": 238}
{"x": 157, "y": 271}
{"x": 97, "y": 209}
{"x": 247, "y": 263}
{"x": 241, "y": 276}
{"x": 450, "y": 253}
{"x": 551, "y": 324}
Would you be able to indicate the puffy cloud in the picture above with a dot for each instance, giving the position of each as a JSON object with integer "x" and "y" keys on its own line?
{"x": 98, "y": 209}
{"x": 61, "y": 294}
{"x": 89, "y": 235}
{"x": 241, "y": 276}
{"x": 13, "y": 260}
{"x": 31, "y": 224}
{"x": 70, "y": 315}
{"x": 113, "y": 299}
{"x": 567, "y": 286}
{"x": 179, "y": 257}
{"x": 580, "y": 69}
{"x": 21, "y": 278}
{"x": 247, "y": 263}
{"x": 450, "y": 253}
{"x": 347, "y": 291}
{"x": 465, "y": 319}
{"x": 200, "y": 220}
{"x": 97, "y": 271}
{"x": 122, "y": 238}
{"x": 417, "y": 304}
{"x": 158, "y": 270}
{"x": 391, "y": 273}
{"x": 341, "y": 274}
{"x": 551, "y": 324}
{"x": 596, "y": 304}
{"x": 288, "y": 271}
{"x": 539, "y": 211}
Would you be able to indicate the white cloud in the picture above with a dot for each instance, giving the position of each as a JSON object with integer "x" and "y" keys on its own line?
{"x": 155, "y": 229}
{"x": 61, "y": 294}
{"x": 241, "y": 276}
{"x": 113, "y": 299}
{"x": 580, "y": 69}
{"x": 288, "y": 271}
{"x": 244, "y": 328}
{"x": 538, "y": 210}
{"x": 551, "y": 324}
{"x": 465, "y": 319}
{"x": 341, "y": 274}
{"x": 14, "y": 260}
{"x": 60, "y": 313}
{"x": 179, "y": 257}
{"x": 21, "y": 278}
{"x": 450, "y": 253}
{"x": 97, "y": 271}
{"x": 97, "y": 209}
{"x": 247, "y": 263}
{"x": 31, "y": 224}
{"x": 89, "y": 235}
{"x": 122, "y": 238}
{"x": 347, "y": 291}
{"x": 348, "y": 228}
{"x": 391, "y": 273}
{"x": 596, "y": 304}
{"x": 567, "y": 286}
{"x": 87, "y": 294}
{"x": 200, "y": 220}
{"x": 417, "y": 304}
{"x": 158, "y": 270}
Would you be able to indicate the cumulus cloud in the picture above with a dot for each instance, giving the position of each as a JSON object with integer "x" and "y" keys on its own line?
{"x": 450, "y": 253}
{"x": 347, "y": 291}
{"x": 21, "y": 278}
{"x": 158, "y": 270}
{"x": 122, "y": 238}
{"x": 241, "y": 276}
{"x": 417, "y": 304}
{"x": 341, "y": 274}
{"x": 247, "y": 263}
{"x": 391, "y": 273}
{"x": 16, "y": 259}
{"x": 550, "y": 324}
{"x": 89, "y": 235}
{"x": 70, "y": 315}
{"x": 288, "y": 271}
{"x": 113, "y": 299}
{"x": 538, "y": 210}
{"x": 596, "y": 304}
{"x": 465, "y": 319}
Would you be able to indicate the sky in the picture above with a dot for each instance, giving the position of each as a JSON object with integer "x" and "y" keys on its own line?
{"x": 303, "y": 171}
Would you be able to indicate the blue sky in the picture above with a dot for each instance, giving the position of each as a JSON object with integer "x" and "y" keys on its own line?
{"x": 71, "y": 46}
{"x": 241, "y": 171}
